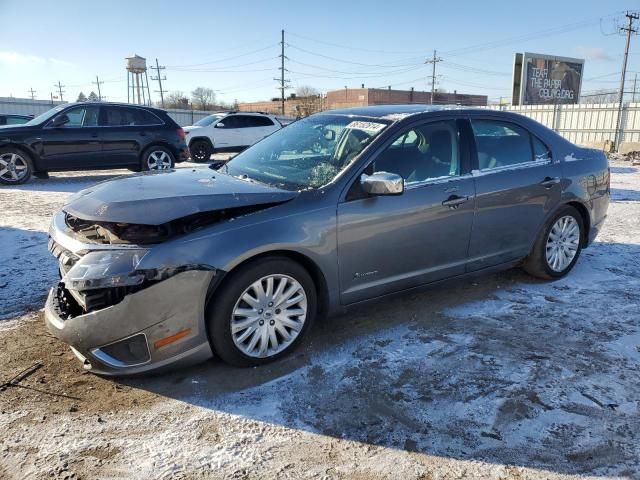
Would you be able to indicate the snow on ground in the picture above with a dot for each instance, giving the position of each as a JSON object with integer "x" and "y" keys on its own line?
{"x": 500, "y": 376}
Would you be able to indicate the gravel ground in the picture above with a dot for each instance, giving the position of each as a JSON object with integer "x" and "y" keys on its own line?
{"x": 499, "y": 376}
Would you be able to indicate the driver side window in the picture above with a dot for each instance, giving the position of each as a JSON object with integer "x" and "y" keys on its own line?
{"x": 422, "y": 153}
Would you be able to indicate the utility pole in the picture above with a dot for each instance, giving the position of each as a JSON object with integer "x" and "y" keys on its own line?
{"x": 60, "y": 90}
{"x": 629, "y": 30}
{"x": 282, "y": 70}
{"x": 98, "y": 83}
{"x": 433, "y": 61}
{"x": 33, "y": 93}
{"x": 159, "y": 78}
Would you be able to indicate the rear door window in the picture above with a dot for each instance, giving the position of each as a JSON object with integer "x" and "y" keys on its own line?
{"x": 122, "y": 116}
{"x": 501, "y": 144}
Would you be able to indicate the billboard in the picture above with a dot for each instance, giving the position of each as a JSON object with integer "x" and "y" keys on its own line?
{"x": 546, "y": 79}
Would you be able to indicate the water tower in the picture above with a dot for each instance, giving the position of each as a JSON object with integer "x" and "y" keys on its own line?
{"x": 137, "y": 81}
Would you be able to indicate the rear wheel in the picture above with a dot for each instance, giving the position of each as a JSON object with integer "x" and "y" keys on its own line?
{"x": 201, "y": 151}
{"x": 16, "y": 166}
{"x": 558, "y": 246}
{"x": 157, "y": 158}
{"x": 262, "y": 311}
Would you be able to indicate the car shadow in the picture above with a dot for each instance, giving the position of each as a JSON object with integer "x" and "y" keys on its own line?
{"x": 623, "y": 169}
{"x": 67, "y": 182}
{"x": 625, "y": 195}
{"x": 500, "y": 368}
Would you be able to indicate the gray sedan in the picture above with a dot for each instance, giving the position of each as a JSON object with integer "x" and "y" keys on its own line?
{"x": 342, "y": 207}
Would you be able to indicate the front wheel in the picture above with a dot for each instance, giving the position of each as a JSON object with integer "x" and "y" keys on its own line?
{"x": 157, "y": 158}
{"x": 15, "y": 166}
{"x": 261, "y": 312}
{"x": 558, "y": 246}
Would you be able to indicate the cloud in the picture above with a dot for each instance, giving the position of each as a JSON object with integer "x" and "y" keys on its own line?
{"x": 16, "y": 58}
{"x": 593, "y": 53}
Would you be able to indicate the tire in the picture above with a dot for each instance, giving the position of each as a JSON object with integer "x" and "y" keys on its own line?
{"x": 228, "y": 307}
{"x": 569, "y": 242}
{"x": 157, "y": 158}
{"x": 16, "y": 166}
{"x": 201, "y": 151}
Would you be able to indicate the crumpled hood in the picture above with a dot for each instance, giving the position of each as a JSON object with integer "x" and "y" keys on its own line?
{"x": 154, "y": 198}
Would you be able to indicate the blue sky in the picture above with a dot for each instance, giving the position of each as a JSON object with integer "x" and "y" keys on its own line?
{"x": 232, "y": 47}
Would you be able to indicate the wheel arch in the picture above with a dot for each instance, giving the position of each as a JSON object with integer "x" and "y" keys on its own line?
{"x": 318, "y": 277}
{"x": 201, "y": 138}
{"x": 35, "y": 158}
{"x": 586, "y": 219}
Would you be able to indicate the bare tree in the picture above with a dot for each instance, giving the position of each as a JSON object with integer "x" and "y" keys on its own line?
{"x": 600, "y": 96}
{"x": 203, "y": 98}
{"x": 307, "y": 91}
{"x": 176, "y": 99}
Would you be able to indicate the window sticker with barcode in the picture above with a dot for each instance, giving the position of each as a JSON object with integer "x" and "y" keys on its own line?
{"x": 366, "y": 126}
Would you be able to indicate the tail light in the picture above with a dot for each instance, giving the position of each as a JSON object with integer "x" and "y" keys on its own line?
{"x": 181, "y": 134}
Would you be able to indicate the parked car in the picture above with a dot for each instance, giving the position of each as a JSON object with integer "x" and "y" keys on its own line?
{"x": 13, "y": 119}
{"x": 228, "y": 132}
{"x": 168, "y": 268}
{"x": 90, "y": 136}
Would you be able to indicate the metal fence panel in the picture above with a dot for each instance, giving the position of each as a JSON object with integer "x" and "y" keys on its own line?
{"x": 584, "y": 123}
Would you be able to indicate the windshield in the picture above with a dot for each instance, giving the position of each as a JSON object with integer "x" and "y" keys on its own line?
{"x": 308, "y": 153}
{"x": 45, "y": 116}
{"x": 206, "y": 121}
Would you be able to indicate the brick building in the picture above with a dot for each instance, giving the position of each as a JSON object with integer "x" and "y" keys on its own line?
{"x": 360, "y": 97}
{"x": 293, "y": 106}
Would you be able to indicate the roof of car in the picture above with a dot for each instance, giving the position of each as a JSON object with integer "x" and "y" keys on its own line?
{"x": 114, "y": 104}
{"x": 380, "y": 111}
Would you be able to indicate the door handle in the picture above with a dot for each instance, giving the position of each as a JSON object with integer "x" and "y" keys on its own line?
{"x": 549, "y": 182}
{"x": 94, "y": 135}
{"x": 454, "y": 201}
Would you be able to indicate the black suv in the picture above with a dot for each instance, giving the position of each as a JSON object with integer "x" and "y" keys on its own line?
{"x": 91, "y": 136}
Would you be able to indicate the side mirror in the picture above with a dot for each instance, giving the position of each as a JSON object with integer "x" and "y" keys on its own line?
{"x": 382, "y": 183}
{"x": 329, "y": 135}
{"x": 219, "y": 125}
{"x": 60, "y": 121}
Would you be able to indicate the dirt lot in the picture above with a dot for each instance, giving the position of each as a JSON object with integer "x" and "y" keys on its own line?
{"x": 499, "y": 376}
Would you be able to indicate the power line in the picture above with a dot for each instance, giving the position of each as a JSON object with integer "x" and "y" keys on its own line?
{"x": 224, "y": 59}
{"x": 415, "y": 52}
{"x": 159, "y": 78}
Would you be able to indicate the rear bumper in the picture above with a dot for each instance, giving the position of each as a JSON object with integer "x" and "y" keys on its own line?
{"x": 138, "y": 322}
{"x": 182, "y": 154}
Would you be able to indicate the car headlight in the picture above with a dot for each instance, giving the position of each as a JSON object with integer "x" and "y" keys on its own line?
{"x": 106, "y": 268}
{"x": 118, "y": 268}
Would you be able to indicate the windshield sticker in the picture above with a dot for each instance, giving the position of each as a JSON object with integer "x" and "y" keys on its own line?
{"x": 366, "y": 126}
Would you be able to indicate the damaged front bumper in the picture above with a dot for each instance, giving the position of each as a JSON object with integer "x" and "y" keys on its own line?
{"x": 124, "y": 330}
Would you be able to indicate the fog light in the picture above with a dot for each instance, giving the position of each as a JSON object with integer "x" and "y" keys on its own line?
{"x": 124, "y": 353}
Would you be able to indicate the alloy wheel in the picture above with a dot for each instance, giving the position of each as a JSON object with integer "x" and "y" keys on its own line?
{"x": 562, "y": 243}
{"x": 159, "y": 160}
{"x": 268, "y": 316}
{"x": 13, "y": 167}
